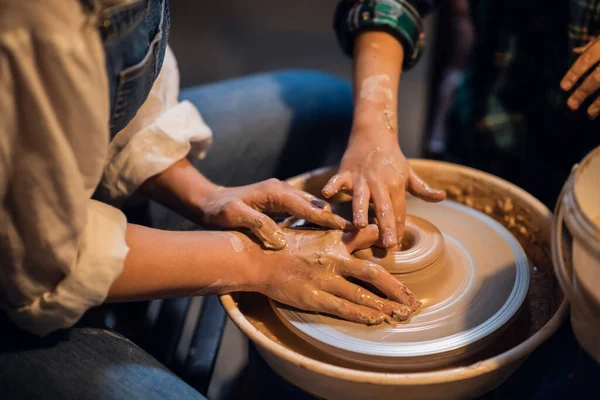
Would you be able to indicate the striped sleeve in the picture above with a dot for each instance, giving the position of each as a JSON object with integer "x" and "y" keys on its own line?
{"x": 401, "y": 18}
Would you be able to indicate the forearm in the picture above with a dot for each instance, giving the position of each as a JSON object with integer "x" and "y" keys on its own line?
{"x": 164, "y": 264}
{"x": 181, "y": 187}
{"x": 376, "y": 76}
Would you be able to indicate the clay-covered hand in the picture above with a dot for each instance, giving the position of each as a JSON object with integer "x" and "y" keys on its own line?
{"x": 244, "y": 207}
{"x": 588, "y": 59}
{"x": 378, "y": 171}
{"x": 311, "y": 274}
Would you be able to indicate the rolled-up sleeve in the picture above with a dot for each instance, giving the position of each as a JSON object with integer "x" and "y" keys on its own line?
{"x": 60, "y": 251}
{"x": 162, "y": 132}
{"x": 403, "y": 19}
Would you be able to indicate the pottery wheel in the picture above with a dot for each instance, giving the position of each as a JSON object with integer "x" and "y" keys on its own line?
{"x": 473, "y": 290}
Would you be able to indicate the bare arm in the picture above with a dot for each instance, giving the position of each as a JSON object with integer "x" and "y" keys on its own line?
{"x": 376, "y": 77}
{"x": 174, "y": 264}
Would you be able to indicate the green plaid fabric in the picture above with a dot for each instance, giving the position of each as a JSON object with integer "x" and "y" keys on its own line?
{"x": 398, "y": 17}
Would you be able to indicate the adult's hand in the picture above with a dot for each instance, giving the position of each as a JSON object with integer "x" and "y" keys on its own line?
{"x": 311, "y": 274}
{"x": 245, "y": 207}
{"x": 589, "y": 57}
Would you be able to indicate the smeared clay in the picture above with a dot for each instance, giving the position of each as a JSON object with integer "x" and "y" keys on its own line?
{"x": 313, "y": 279}
{"x": 389, "y": 119}
{"x": 236, "y": 243}
{"x": 376, "y": 88}
{"x": 217, "y": 287}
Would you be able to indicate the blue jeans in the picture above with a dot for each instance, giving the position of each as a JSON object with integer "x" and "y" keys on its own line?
{"x": 266, "y": 125}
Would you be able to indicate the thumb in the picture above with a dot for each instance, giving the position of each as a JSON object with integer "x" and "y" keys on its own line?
{"x": 418, "y": 187}
{"x": 335, "y": 184}
{"x": 361, "y": 239}
{"x": 263, "y": 228}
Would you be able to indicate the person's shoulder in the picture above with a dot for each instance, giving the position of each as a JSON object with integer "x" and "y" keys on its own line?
{"x": 42, "y": 19}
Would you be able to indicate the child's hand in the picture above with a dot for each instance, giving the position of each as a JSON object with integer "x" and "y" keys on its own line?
{"x": 377, "y": 170}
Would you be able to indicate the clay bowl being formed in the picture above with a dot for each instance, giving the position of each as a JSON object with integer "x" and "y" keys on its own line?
{"x": 542, "y": 312}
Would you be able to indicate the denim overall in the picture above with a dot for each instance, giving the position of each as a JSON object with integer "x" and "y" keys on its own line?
{"x": 135, "y": 39}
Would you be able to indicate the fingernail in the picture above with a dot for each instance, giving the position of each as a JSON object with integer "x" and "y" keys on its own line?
{"x": 593, "y": 111}
{"x": 388, "y": 238}
{"x": 401, "y": 313}
{"x": 276, "y": 241}
{"x": 359, "y": 219}
{"x": 375, "y": 319}
{"x": 413, "y": 303}
{"x": 566, "y": 84}
{"x": 327, "y": 191}
{"x": 342, "y": 223}
{"x": 573, "y": 103}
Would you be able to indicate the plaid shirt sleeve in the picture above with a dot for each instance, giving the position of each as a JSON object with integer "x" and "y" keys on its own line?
{"x": 400, "y": 18}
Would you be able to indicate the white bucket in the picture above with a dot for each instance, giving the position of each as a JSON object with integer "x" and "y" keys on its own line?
{"x": 578, "y": 269}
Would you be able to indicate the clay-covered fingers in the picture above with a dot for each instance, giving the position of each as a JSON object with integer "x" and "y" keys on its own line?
{"x": 419, "y": 188}
{"x": 336, "y": 184}
{"x": 398, "y": 196}
{"x": 379, "y": 277}
{"x": 358, "y": 295}
{"x": 360, "y": 203}
{"x": 314, "y": 200}
{"x": 263, "y": 227}
{"x": 297, "y": 205}
{"x": 361, "y": 239}
{"x": 327, "y": 303}
{"x": 384, "y": 212}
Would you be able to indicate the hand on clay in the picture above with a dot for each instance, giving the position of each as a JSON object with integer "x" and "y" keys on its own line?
{"x": 244, "y": 207}
{"x": 310, "y": 274}
{"x": 589, "y": 57}
{"x": 379, "y": 172}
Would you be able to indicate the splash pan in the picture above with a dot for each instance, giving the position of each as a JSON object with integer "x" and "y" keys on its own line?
{"x": 470, "y": 292}
{"x": 325, "y": 376}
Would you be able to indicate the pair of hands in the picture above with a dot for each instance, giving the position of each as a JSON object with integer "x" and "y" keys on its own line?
{"x": 376, "y": 171}
{"x": 311, "y": 269}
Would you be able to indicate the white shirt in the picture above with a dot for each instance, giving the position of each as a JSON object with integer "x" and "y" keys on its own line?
{"x": 60, "y": 251}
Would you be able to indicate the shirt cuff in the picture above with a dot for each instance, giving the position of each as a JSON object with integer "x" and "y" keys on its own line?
{"x": 99, "y": 263}
{"x": 397, "y": 17}
{"x": 178, "y": 132}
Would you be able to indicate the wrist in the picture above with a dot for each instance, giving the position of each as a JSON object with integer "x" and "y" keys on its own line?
{"x": 376, "y": 121}
{"x": 258, "y": 265}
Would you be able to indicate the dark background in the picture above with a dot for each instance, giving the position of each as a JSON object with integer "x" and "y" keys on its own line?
{"x": 215, "y": 40}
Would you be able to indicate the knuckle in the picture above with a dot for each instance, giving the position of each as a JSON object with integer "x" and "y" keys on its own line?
{"x": 273, "y": 183}
{"x": 231, "y": 207}
{"x": 586, "y": 61}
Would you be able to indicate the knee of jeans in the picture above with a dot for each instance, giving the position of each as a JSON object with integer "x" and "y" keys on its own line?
{"x": 318, "y": 98}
